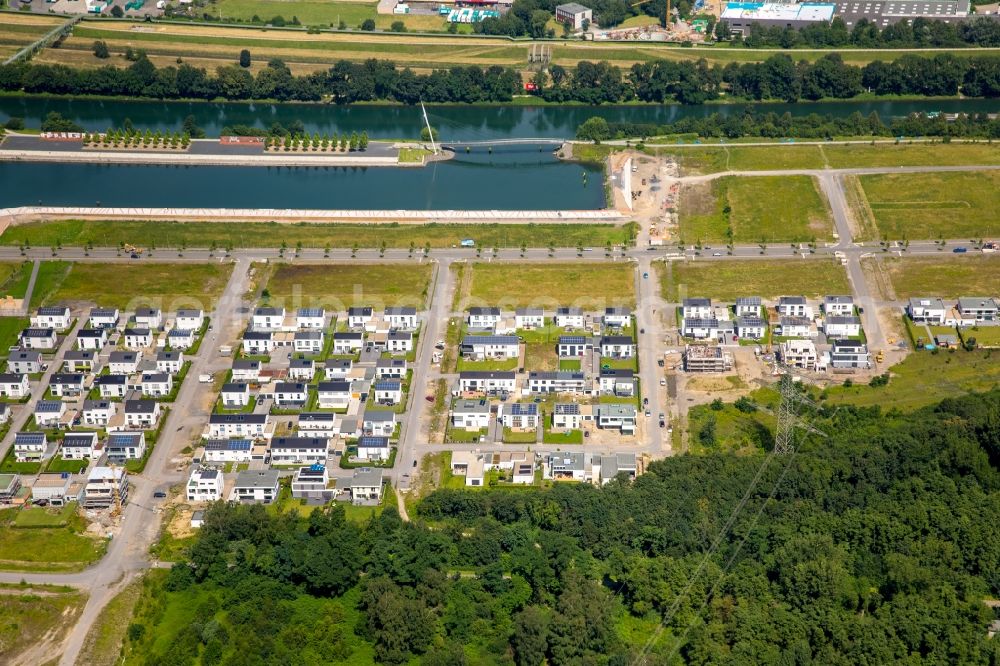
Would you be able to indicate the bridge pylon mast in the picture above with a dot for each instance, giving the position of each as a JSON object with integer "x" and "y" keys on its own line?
{"x": 430, "y": 132}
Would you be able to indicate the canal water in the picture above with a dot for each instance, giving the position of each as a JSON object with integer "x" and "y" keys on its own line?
{"x": 454, "y": 123}
{"x": 512, "y": 178}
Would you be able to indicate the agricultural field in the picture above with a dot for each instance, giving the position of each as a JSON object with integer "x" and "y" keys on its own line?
{"x": 754, "y": 209}
{"x": 947, "y": 277}
{"x": 933, "y": 205}
{"x": 338, "y": 287}
{"x": 155, "y": 234}
{"x": 36, "y": 618}
{"x": 220, "y": 44}
{"x": 127, "y": 286}
{"x": 768, "y": 279}
{"x": 591, "y": 287}
{"x": 19, "y": 30}
{"x": 46, "y": 540}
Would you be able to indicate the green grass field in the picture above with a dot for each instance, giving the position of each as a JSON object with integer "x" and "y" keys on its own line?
{"x": 127, "y": 286}
{"x": 14, "y": 277}
{"x": 925, "y": 378}
{"x": 914, "y": 154}
{"x": 340, "y": 286}
{"x": 947, "y": 277}
{"x": 715, "y": 158}
{"x": 10, "y": 330}
{"x": 63, "y": 548}
{"x": 33, "y": 614}
{"x": 767, "y": 278}
{"x": 933, "y": 205}
{"x": 755, "y": 209}
{"x": 589, "y": 286}
{"x": 78, "y": 233}
{"x": 37, "y": 516}
{"x": 308, "y": 12}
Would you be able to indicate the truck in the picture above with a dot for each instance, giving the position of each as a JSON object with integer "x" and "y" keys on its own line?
{"x": 990, "y": 246}
{"x": 205, "y": 379}
{"x": 468, "y": 242}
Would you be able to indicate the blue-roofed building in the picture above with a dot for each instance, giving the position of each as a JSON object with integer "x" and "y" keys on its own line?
{"x": 491, "y": 346}
{"x": 520, "y": 415}
{"x": 388, "y": 392}
{"x": 29, "y": 446}
{"x": 227, "y": 450}
{"x": 373, "y": 448}
{"x": 126, "y": 446}
{"x": 574, "y": 345}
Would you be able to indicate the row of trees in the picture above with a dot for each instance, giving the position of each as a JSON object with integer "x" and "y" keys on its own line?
{"x": 920, "y": 33}
{"x": 778, "y": 77}
{"x": 753, "y": 123}
{"x": 688, "y": 82}
{"x": 872, "y": 546}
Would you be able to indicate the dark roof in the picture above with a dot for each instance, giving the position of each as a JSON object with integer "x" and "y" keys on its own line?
{"x": 298, "y": 443}
{"x": 123, "y": 357}
{"x": 617, "y": 340}
{"x": 310, "y": 312}
{"x": 484, "y": 311}
{"x": 38, "y": 332}
{"x": 575, "y": 340}
{"x": 523, "y": 409}
{"x": 29, "y": 438}
{"x": 110, "y": 380}
{"x": 490, "y": 340}
{"x": 123, "y": 439}
{"x": 228, "y": 445}
{"x": 697, "y": 302}
{"x": 140, "y": 406}
{"x": 289, "y": 387}
{"x": 373, "y": 442}
{"x": 237, "y": 418}
{"x": 80, "y": 439}
{"x": 11, "y": 378}
{"x": 333, "y": 387}
{"x": 243, "y": 364}
{"x": 388, "y": 385}
{"x": 48, "y": 406}
{"x": 66, "y": 378}
{"x": 486, "y": 374}
{"x": 235, "y": 387}
{"x": 137, "y": 331}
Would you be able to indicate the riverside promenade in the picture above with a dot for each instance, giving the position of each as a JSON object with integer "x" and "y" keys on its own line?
{"x": 23, "y": 214}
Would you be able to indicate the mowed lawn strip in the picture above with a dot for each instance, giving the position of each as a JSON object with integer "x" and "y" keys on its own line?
{"x": 757, "y": 209}
{"x": 144, "y": 283}
{"x": 931, "y": 205}
{"x": 767, "y": 278}
{"x": 158, "y": 234}
{"x": 946, "y": 277}
{"x": 589, "y": 286}
{"x": 914, "y": 154}
{"x": 341, "y": 286}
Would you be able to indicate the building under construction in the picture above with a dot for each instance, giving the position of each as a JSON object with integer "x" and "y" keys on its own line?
{"x": 707, "y": 358}
{"x": 106, "y": 487}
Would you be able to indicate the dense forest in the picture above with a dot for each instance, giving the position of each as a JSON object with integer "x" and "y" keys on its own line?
{"x": 756, "y": 123}
{"x": 876, "y": 545}
{"x": 688, "y": 82}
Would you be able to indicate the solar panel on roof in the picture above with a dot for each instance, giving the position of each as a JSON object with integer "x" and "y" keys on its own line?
{"x": 122, "y": 439}
{"x": 30, "y": 438}
{"x": 228, "y": 445}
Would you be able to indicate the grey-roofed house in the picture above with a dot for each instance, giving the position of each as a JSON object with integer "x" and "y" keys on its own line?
{"x": 838, "y": 305}
{"x": 483, "y": 318}
{"x": 49, "y": 413}
{"x": 124, "y": 362}
{"x": 311, "y": 484}
{"x": 298, "y": 450}
{"x": 91, "y": 338}
{"x": 617, "y": 346}
{"x": 22, "y": 361}
{"x": 611, "y": 465}
{"x": 490, "y": 382}
{"x": 520, "y": 415}
{"x": 126, "y": 445}
{"x": 563, "y": 381}
{"x": 138, "y": 338}
{"x": 567, "y": 416}
{"x": 29, "y": 446}
{"x": 529, "y": 318}
{"x": 308, "y": 342}
{"x": 79, "y": 360}
{"x": 620, "y": 416}
{"x": 379, "y": 422}
{"x": 373, "y": 448}
{"x": 302, "y": 369}
{"x": 38, "y": 338}
{"x": 112, "y": 386}
{"x": 978, "y": 309}
{"x": 574, "y": 14}
{"x": 365, "y": 486}
{"x": 401, "y": 317}
{"x": 749, "y": 306}
{"x": 235, "y": 395}
{"x": 471, "y": 415}
{"x": 388, "y": 391}
{"x": 170, "y": 361}
{"x": 257, "y": 486}
{"x": 617, "y": 317}
{"x": 14, "y": 385}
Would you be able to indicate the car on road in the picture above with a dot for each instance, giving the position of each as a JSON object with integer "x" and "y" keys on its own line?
{"x": 642, "y": 331}
{"x": 663, "y": 416}
{"x": 647, "y": 412}
{"x": 645, "y": 401}
{"x": 659, "y": 362}
{"x": 159, "y": 494}
{"x": 663, "y": 382}
{"x": 716, "y": 254}
{"x": 134, "y": 255}
{"x": 645, "y": 276}
{"x": 960, "y": 250}
{"x": 586, "y": 433}
{"x": 429, "y": 398}
{"x": 662, "y": 423}
{"x": 414, "y": 462}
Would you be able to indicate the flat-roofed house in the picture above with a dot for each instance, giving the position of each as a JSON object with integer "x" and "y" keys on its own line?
{"x": 471, "y": 415}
